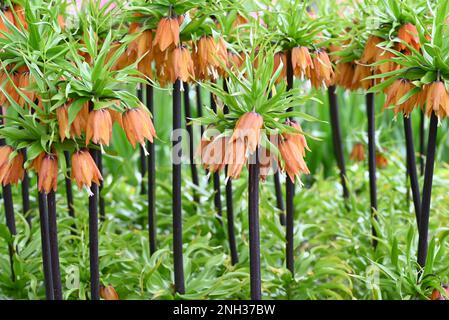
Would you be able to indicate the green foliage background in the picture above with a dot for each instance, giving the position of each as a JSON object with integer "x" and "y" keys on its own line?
{"x": 333, "y": 252}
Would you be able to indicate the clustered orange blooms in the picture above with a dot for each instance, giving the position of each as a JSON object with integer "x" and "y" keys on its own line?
{"x": 352, "y": 75}
{"x": 316, "y": 66}
{"x": 11, "y": 167}
{"x": 381, "y": 161}
{"x": 292, "y": 147}
{"x": 95, "y": 124}
{"x": 433, "y": 96}
{"x": 108, "y": 293}
{"x": 235, "y": 151}
{"x": 204, "y": 59}
{"x": 19, "y": 75}
{"x": 358, "y": 152}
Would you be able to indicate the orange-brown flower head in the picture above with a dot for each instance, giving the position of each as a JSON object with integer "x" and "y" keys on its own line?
{"x": 5, "y": 153}
{"x": 108, "y": 293}
{"x": 63, "y": 122}
{"x": 235, "y": 61}
{"x": 371, "y": 51}
{"x": 437, "y": 99}
{"x": 125, "y": 59}
{"x": 11, "y": 170}
{"x": 421, "y": 97}
{"x": 180, "y": 65}
{"x": 268, "y": 163}
{"x": 47, "y": 172}
{"x": 248, "y": 129}
{"x": 209, "y": 56}
{"x": 8, "y": 15}
{"x": 15, "y": 172}
{"x": 344, "y": 75}
{"x": 138, "y": 126}
{"x": 22, "y": 82}
{"x": 20, "y": 20}
{"x": 358, "y": 152}
{"x": 322, "y": 73}
{"x": 292, "y": 147}
{"x": 99, "y": 127}
{"x": 381, "y": 161}
{"x": 79, "y": 124}
{"x": 409, "y": 34}
{"x": 236, "y": 156}
{"x": 167, "y": 33}
{"x": 301, "y": 61}
{"x": 360, "y": 74}
{"x": 116, "y": 116}
{"x": 84, "y": 169}
{"x": 388, "y": 65}
{"x": 396, "y": 92}
{"x": 141, "y": 48}
{"x": 279, "y": 58}
{"x": 213, "y": 153}
{"x": 436, "y": 294}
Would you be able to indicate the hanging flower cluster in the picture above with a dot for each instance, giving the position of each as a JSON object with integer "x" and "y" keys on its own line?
{"x": 368, "y": 44}
{"x": 296, "y": 28}
{"x": 64, "y": 100}
{"x": 179, "y": 39}
{"x": 254, "y": 125}
{"x": 419, "y": 79}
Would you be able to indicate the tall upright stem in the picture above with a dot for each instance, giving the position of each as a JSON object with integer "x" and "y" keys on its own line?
{"x": 189, "y": 127}
{"x": 199, "y": 105}
{"x": 68, "y": 186}
{"x": 411, "y": 167}
{"x": 216, "y": 178}
{"x": 279, "y": 197}
{"x": 177, "y": 202}
{"x": 45, "y": 242}
{"x": 143, "y": 158}
{"x": 370, "y": 110}
{"x": 151, "y": 179}
{"x": 427, "y": 191}
{"x": 230, "y": 205}
{"x": 422, "y": 146}
{"x": 336, "y": 135}
{"x": 93, "y": 238}
{"x": 290, "y": 190}
{"x": 99, "y": 161}
{"x": 254, "y": 232}
{"x": 26, "y": 193}
{"x": 54, "y": 250}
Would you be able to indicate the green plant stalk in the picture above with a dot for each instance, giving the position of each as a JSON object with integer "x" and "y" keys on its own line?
{"x": 143, "y": 158}
{"x": 230, "y": 206}
{"x": 189, "y": 127}
{"x": 370, "y": 111}
{"x": 177, "y": 197}
{"x": 336, "y": 138}
{"x": 151, "y": 178}
{"x": 427, "y": 192}
{"x": 254, "y": 228}
{"x": 93, "y": 238}
{"x": 54, "y": 249}
{"x": 290, "y": 191}
{"x": 68, "y": 186}
{"x": 26, "y": 193}
{"x": 45, "y": 243}
{"x": 216, "y": 178}
{"x": 411, "y": 167}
